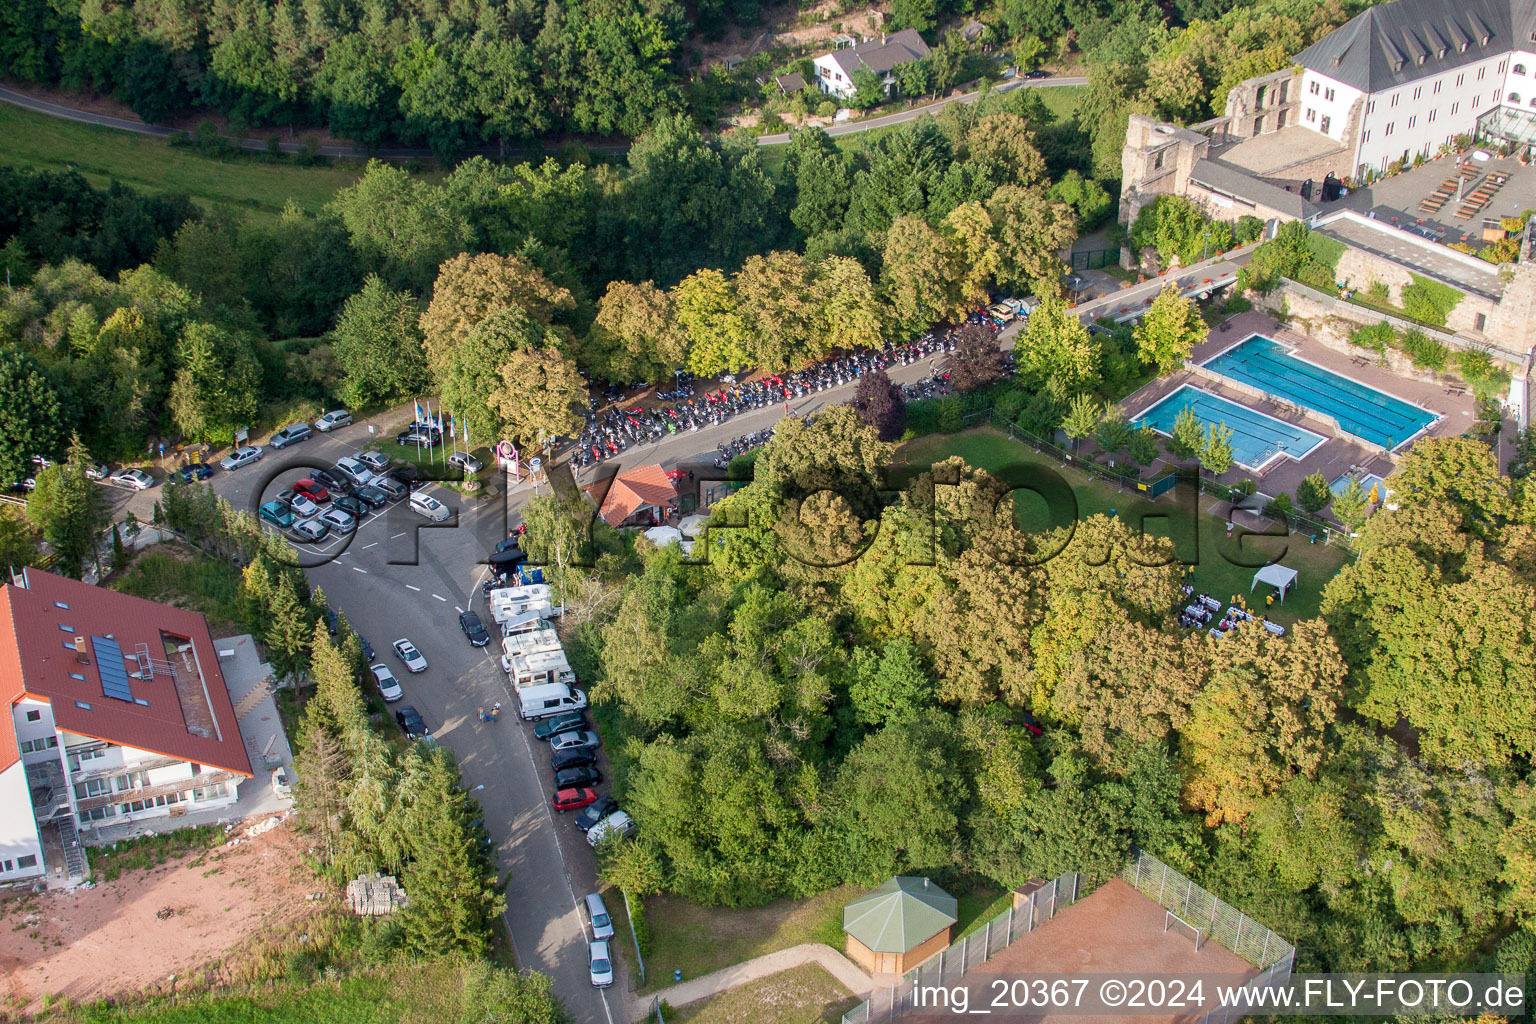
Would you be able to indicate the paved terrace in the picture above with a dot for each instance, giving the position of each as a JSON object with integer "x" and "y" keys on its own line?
{"x": 1402, "y": 193}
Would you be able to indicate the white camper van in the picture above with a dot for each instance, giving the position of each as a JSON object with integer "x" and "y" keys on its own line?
{"x": 548, "y": 700}
{"x": 541, "y": 668}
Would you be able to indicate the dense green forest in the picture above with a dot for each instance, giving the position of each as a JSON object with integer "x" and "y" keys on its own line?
{"x": 827, "y": 703}
{"x": 137, "y": 315}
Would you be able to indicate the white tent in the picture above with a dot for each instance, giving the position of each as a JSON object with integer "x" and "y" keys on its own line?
{"x": 1277, "y": 576}
{"x": 693, "y": 525}
{"x": 661, "y": 536}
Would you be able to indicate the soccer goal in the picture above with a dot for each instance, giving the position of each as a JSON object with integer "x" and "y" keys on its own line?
{"x": 1170, "y": 918}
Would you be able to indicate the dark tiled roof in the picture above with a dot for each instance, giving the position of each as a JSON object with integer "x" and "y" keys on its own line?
{"x": 792, "y": 82}
{"x": 1234, "y": 181}
{"x": 882, "y": 54}
{"x": 37, "y": 660}
{"x": 1395, "y": 43}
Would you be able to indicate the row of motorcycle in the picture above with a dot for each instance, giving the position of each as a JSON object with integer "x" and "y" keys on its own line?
{"x": 612, "y": 430}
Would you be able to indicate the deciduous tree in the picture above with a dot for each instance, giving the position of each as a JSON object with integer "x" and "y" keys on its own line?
{"x": 1169, "y": 331}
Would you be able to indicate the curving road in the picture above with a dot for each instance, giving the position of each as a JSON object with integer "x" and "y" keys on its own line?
{"x": 21, "y": 99}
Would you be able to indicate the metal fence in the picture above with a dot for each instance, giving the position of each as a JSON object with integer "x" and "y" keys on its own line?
{"x": 1217, "y": 920}
{"x": 971, "y": 950}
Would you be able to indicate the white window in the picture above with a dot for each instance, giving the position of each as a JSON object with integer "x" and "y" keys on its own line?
{"x": 1519, "y": 69}
{"x": 1459, "y": 79}
{"x": 1328, "y": 95}
{"x": 1495, "y": 95}
{"x": 1436, "y": 90}
{"x": 1411, "y": 121}
{"x": 1475, "y": 101}
{"x": 1390, "y": 126}
{"x": 1314, "y": 88}
{"x": 1365, "y": 136}
{"x": 1324, "y": 126}
{"x": 61, "y": 604}
{"x": 1311, "y": 114}
{"x": 35, "y": 715}
{"x": 1370, "y": 108}
{"x": 28, "y": 861}
{"x": 1514, "y": 97}
{"x": 1394, "y": 99}
{"x": 1453, "y": 108}
{"x": 1418, "y": 91}
{"x": 1432, "y": 117}
{"x": 1480, "y": 74}
{"x": 32, "y": 746}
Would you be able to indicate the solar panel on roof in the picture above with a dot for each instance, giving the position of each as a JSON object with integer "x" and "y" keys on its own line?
{"x": 109, "y": 662}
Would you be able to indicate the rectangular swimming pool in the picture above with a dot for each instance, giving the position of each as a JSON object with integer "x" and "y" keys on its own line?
{"x": 1257, "y": 438}
{"x": 1367, "y": 413}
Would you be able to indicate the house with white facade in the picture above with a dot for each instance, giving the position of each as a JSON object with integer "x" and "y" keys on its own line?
{"x": 1402, "y": 79}
{"x": 880, "y": 56}
{"x": 118, "y": 711}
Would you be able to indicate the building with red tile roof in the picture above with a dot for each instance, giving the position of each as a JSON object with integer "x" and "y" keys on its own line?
{"x": 118, "y": 711}
{"x": 636, "y": 491}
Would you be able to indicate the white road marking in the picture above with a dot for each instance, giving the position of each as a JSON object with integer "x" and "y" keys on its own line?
{"x": 397, "y": 536}
{"x": 363, "y": 571}
{"x": 373, "y": 545}
{"x": 409, "y": 587}
{"x": 458, "y": 609}
{"x": 441, "y": 598}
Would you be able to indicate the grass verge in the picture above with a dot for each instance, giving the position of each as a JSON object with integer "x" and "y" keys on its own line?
{"x": 150, "y": 851}
{"x": 182, "y": 576}
{"x": 149, "y": 164}
{"x": 698, "y": 939}
{"x": 1216, "y": 571}
{"x": 801, "y": 995}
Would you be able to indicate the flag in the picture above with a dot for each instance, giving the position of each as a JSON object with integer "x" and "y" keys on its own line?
{"x": 417, "y": 418}
{"x": 450, "y": 426}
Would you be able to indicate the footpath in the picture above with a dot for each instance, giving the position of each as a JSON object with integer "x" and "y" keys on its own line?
{"x": 727, "y": 978}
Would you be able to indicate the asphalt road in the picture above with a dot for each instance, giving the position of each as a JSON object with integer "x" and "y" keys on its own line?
{"x": 24, "y": 101}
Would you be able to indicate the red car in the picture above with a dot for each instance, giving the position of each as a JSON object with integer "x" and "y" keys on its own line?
{"x": 572, "y": 799}
{"x": 313, "y": 490}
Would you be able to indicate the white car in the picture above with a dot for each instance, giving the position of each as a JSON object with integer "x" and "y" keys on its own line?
{"x": 302, "y": 507}
{"x": 384, "y": 679}
{"x": 241, "y": 457}
{"x": 599, "y": 964}
{"x": 310, "y": 531}
{"x": 616, "y": 824}
{"x": 406, "y": 651}
{"x": 376, "y": 461}
{"x": 97, "y": 471}
{"x": 465, "y": 461}
{"x": 426, "y": 505}
{"x": 339, "y": 520}
{"x": 133, "y": 479}
{"x": 335, "y": 418}
{"x": 354, "y": 469}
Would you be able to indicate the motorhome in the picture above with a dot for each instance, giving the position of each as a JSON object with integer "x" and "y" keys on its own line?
{"x": 514, "y": 624}
{"x": 541, "y": 668}
{"x": 511, "y": 601}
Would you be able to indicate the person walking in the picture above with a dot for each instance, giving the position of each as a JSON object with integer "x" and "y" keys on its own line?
{"x": 481, "y": 712}
{"x": 496, "y": 712}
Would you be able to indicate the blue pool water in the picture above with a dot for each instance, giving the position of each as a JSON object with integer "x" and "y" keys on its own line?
{"x": 1363, "y": 411}
{"x": 1256, "y": 438}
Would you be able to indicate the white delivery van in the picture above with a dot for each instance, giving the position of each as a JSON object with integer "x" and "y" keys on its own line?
{"x": 550, "y": 699}
{"x": 541, "y": 668}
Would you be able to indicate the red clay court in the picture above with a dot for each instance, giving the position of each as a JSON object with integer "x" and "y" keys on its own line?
{"x": 1114, "y": 930}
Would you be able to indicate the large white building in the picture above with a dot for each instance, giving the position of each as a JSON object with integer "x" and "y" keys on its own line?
{"x": 118, "y": 712}
{"x": 1403, "y": 78}
{"x": 880, "y": 56}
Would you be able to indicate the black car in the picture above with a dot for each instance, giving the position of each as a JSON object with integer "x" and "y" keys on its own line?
{"x": 331, "y": 481}
{"x": 474, "y": 629}
{"x": 417, "y": 439}
{"x": 367, "y": 647}
{"x": 507, "y": 559}
{"x": 594, "y": 813}
{"x": 351, "y": 504}
{"x": 575, "y": 778}
{"x": 331, "y": 621}
{"x": 409, "y": 720}
{"x": 1037, "y": 73}
{"x": 195, "y": 471}
{"x": 405, "y": 474}
{"x": 570, "y": 721}
{"x": 514, "y": 541}
{"x": 371, "y": 496}
{"x": 581, "y": 757}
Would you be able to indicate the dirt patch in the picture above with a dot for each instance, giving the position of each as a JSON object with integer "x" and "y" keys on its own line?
{"x": 786, "y": 25}
{"x": 125, "y": 935}
{"x": 802, "y": 995}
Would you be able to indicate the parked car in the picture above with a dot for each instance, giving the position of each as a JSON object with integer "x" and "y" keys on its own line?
{"x": 465, "y": 461}
{"x": 581, "y": 757}
{"x": 1037, "y": 73}
{"x": 415, "y": 439}
{"x": 339, "y": 520}
{"x": 309, "y": 531}
{"x": 390, "y": 486}
{"x": 193, "y": 471}
{"x": 291, "y": 434}
{"x": 581, "y": 739}
{"x": 576, "y": 778}
{"x": 384, "y": 679}
{"x": 277, "y": 513}
{"x": 330, "y": 481}
{"x": 507, "y": 559}
{"x": 426, "y": 505}
{"x": 241, "y": 457}
{"x": 302, "y": 506}
{"x": 332, "y": 621}
{"x": 133, "y": 479}
{"x": 599, "y": 810}
{"x": 597, "y": 916}
{"x": 371, "y": 496}
{"x": 406, "y": 651}
{"x": 568, "y": 722}
{"x": 367, "y": 647}
{"x": 406, "y": 474}
{"x": 514, "y": 541}
{"x": 98, "y": 471}
{"x": 313, "y": 489}
{"x": 572, "y": 799}
{"x": 351, "y": 505}
{"x": 616, "y": 824}
{"x": 411, "y": 723}
{"x": 599, "y": 966}
{"x": 333, "y": 419}
{"x": 474, "y": 629}
{"x": 376, "y": 461}
{"x": 355, "y": 471}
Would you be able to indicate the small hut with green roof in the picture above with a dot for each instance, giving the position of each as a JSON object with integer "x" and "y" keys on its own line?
{"x": 898, "y": 924}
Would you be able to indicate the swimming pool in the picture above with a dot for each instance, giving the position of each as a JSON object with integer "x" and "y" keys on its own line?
{"x": 1367, "y": 413}
{"x": 1257, "y": 438}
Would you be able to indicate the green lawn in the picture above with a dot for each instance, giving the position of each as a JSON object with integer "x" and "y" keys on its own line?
{"x": 149, "y": 164}
{"x": 1215, "y": 573}
{"x": 1062, "y": 100}
{"x": 801, "y": 995}
{"x": 703, "y": 939}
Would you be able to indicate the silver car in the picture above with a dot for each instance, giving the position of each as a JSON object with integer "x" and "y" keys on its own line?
{"x": 599, "y": 964}
{"x": 339, "y": 520}
{"x": 241, "y": 457}
{"x": 335, "y": 418}
{"x": 580, "y": 740}
{"x": 133, "y": 479}
{"x": 310, "y": 531}
{"x": 376, "y": 461}
{"x": 465, "y": 461}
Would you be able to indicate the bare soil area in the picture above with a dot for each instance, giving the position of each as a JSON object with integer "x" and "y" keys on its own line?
{"x": 786, "y": 25}
{"x": 137, "y": 931}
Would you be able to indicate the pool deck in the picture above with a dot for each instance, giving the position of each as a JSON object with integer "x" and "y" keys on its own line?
{"x": 1335, "y": 456}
